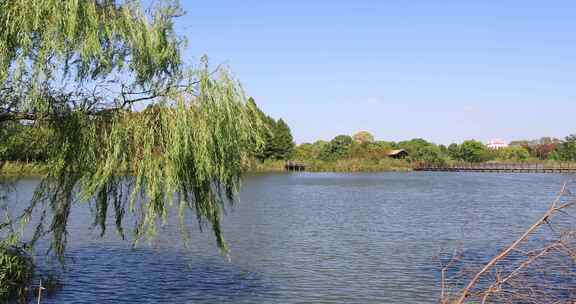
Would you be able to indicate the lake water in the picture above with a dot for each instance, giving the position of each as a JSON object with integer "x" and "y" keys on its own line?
{"x": 312, "y": 238}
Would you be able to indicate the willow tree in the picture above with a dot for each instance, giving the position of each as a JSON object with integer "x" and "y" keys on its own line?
{"x": 83, "y": 69}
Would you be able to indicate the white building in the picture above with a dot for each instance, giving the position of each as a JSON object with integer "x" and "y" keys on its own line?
{"x": 496, "y": 143}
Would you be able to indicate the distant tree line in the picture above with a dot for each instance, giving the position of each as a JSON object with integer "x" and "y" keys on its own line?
{"x": 362, "y": 145}
{"x": 28, "y": 143}
{"x": 23, "y": 142}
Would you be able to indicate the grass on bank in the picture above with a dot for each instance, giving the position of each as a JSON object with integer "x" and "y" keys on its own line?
{"x": 359, "y": 165}
{"x": 343, "y": 165}
{"x": 254, "y": 166}
{"x": 23, "y": 168}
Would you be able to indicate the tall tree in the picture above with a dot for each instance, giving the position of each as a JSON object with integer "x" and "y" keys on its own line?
{"x": 282, "y": 144}
{"x": 266, "y": 131}
{"x": 80, "y": 68}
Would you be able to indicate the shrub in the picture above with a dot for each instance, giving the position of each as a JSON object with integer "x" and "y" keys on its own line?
{"x": 16, "y": 271}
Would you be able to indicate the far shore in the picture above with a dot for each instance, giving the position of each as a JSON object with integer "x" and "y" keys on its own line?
{"x": 346, "y": 165}
{"x": 36, "y": 169}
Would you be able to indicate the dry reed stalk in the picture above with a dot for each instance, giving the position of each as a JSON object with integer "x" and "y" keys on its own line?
{"x": 508, "y": 281}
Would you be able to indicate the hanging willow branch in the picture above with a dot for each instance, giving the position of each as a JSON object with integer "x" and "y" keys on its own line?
{"x": 78, "y": 69}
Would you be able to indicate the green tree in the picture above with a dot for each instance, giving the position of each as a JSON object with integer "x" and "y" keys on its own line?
{"x": 24, "y": 143}
{"x": 7, "y": 132}
{"x": 473, "y": 151}
{"x": 412, "y": 146}
{"x": 422, "y": 150}
{"x": 339, "y": 147}
{"x": 282, "y": 144}
{"x": 453, "y": 151}
{"x": 372, "y": 150}
{"x": 276, "y": 135}
{"x": 443, "y": 150}
{"x": 310, "y": 151}
{"x": 567, "y": 149}
{"x": 513, "y": 153}
{"x": 554, "y": 156}
{"x": 304, "y": 151}
{"x": 428, "y": 154}
{"x": 78, "y": 68}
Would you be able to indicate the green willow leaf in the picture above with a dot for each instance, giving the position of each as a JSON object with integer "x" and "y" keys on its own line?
{"x": 81, "y": 70}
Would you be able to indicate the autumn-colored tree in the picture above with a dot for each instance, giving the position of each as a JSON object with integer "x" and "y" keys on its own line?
{"x": 363, "y": 137}
{"x": 543, "y": 151}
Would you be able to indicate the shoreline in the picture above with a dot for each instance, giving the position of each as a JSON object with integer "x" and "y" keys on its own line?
{"x": 339, "y": 166}
{"x": 32, "y": 169}
{"x": 11, "y": 169}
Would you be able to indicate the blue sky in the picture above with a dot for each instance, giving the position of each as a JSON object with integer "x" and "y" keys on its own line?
{"x": 442, "y": 70}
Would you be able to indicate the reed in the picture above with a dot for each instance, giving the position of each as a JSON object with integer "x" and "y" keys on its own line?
{"x": 536, "y": 267}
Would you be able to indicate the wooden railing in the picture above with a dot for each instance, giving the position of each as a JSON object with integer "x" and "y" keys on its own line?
{"x": 499, "y": 167}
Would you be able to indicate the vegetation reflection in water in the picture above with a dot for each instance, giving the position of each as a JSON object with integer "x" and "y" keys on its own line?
{"x": 318, "y": 238}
